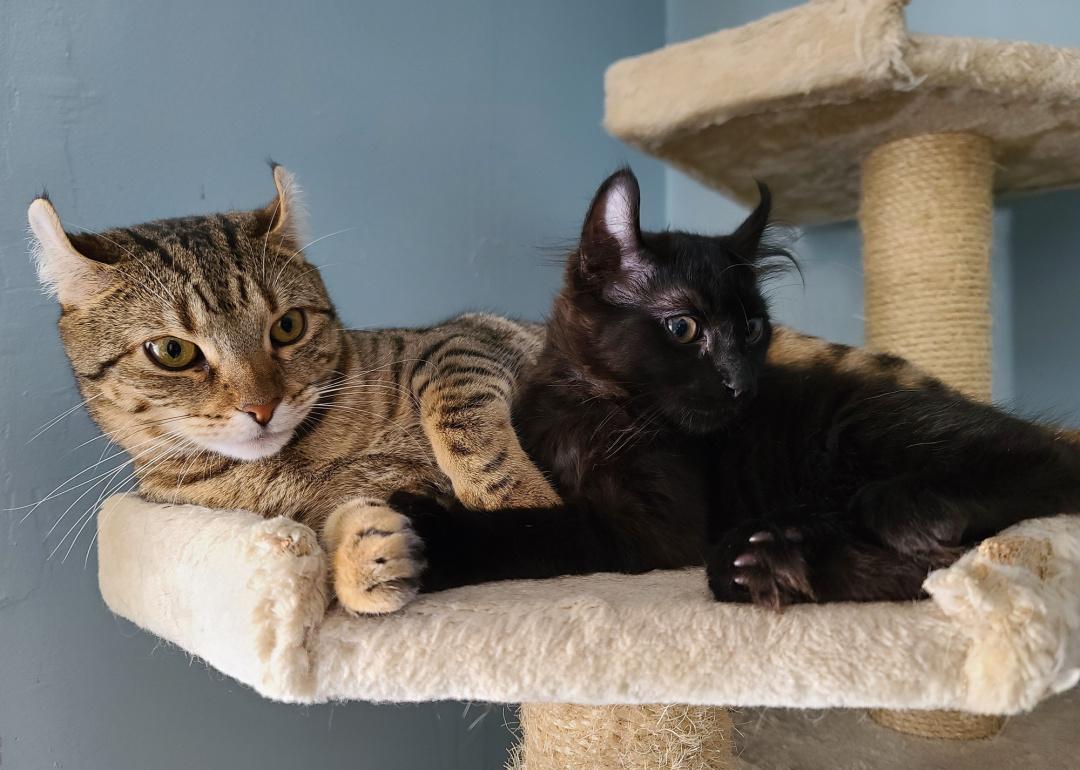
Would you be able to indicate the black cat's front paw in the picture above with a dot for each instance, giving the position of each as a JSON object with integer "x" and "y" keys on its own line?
{"x": 763, "y": 564}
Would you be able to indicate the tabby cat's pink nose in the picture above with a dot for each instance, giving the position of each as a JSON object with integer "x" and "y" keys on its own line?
{"x": 261, "y": 413}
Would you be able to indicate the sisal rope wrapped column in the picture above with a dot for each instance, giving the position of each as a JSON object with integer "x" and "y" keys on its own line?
{"x": 569, "y": 737}
{"x": 926, "y": 216}
{"x": 925, "y": 212}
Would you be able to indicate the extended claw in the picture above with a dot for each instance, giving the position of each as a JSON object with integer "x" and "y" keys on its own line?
{"x": 746, "y": 560}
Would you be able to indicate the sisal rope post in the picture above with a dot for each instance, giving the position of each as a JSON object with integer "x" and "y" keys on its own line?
{"x": 926, "y": 216}
{"x": 569, "y": 737}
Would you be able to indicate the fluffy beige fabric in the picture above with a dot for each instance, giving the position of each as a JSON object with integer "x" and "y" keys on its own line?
{"x": 249, "y": 596}
{"x": 799, "y": 98}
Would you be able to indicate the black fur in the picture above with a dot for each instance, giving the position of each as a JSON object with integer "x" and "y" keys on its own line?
{"x": 815, "y": 482}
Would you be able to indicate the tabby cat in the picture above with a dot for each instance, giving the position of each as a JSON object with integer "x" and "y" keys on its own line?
{"x": 208, "y": 349}
{"x": 682, "y": 427}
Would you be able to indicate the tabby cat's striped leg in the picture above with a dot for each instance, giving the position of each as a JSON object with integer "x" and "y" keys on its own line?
{"x": 468, "y": 424}
{"x": 374, "y": 554}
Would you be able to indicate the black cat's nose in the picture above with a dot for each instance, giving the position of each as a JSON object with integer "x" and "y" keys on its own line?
{"x": 738, "y": 384}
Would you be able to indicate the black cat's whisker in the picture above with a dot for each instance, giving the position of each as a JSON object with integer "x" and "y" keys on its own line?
{"x": 634, "y": 433}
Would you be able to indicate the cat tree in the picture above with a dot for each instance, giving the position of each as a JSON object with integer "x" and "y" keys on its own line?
{"x": 838, "y": 108}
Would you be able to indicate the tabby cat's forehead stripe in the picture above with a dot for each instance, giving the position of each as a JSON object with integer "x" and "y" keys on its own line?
{"x": 104, "y": 367}
{"x": 151, "y": 246}
{"x": 229, "y": 229}
{"x": 216, "y": 262}
{"x": 207, "y": 305}
{"x": 183, "y": 315}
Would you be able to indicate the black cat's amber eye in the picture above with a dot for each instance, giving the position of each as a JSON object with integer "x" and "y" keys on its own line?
{"x": 289, "y": 328}
{"x": 755, "y": 328}
{"x": 173, "y": 353}
{"x": 683, "y": 328}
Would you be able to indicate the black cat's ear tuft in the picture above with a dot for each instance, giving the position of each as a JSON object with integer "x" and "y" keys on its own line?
{"x": 761, "y": 243}
{"x": 747, "y": 237}
{"x": 611, "y": 235}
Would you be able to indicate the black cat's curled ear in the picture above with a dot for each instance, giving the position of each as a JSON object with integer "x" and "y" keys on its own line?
{"x": 760, "y": 243}
{"x": 748, "y": 236}
{"x": 611, "y": 235}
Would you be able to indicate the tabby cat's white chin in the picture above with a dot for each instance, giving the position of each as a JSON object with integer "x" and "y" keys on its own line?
{"x": 265, "y": 445}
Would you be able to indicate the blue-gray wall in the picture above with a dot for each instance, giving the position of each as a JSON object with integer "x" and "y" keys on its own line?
{"x": 460, "y": 142}
{"x": 1036, "y": 255}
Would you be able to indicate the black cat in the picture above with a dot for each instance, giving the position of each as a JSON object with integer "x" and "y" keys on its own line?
{"x": 804, "y": 471}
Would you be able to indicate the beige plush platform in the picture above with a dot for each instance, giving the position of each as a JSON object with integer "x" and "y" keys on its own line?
{"x": 249, "y": 596}
{"x": 798, "y": 100}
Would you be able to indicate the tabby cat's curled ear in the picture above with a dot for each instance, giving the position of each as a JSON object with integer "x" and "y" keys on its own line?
{"x": 72, "y": 275}
{"x": 611, "y": 237}
{"x": 285, "y": 217}
{"x": 746, "y": 240}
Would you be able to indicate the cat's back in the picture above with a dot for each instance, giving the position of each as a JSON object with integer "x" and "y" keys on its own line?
{"x": 481, "y": 346}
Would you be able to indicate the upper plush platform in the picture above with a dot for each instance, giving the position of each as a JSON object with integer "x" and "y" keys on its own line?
{"x": 249, "y": 596}
{"x": 799, "y": 98}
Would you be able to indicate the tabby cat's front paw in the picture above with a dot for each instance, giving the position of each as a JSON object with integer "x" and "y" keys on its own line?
{"x": 533, "y": 491}
{"x": 376, "y": 558}
{"x": 519, "y": 484}
{"x": 762, "y": 564}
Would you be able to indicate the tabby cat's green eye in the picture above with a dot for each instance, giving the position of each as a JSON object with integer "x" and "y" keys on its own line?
{"x": 289, "y": 328}
{"x": 173, "y": 353}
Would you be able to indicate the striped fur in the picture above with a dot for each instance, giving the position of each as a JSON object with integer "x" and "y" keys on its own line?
{"x": 363, "y": 414}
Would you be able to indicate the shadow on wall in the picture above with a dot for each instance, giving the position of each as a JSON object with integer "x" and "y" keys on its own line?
{"x": 1045, "y": 278}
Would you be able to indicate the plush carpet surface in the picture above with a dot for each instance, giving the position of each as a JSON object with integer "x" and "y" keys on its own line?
{"x": 249, "y": 596}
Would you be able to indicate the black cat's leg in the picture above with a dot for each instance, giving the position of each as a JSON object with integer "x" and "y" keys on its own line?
{"x": 861, "y": 571}
{"x": 914, "y": 516}
{"x": 464, "y": 547}
{"x": 818, "y": 559}
{"x": 933, "y": 515}
{"x": 971, "y": 475}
